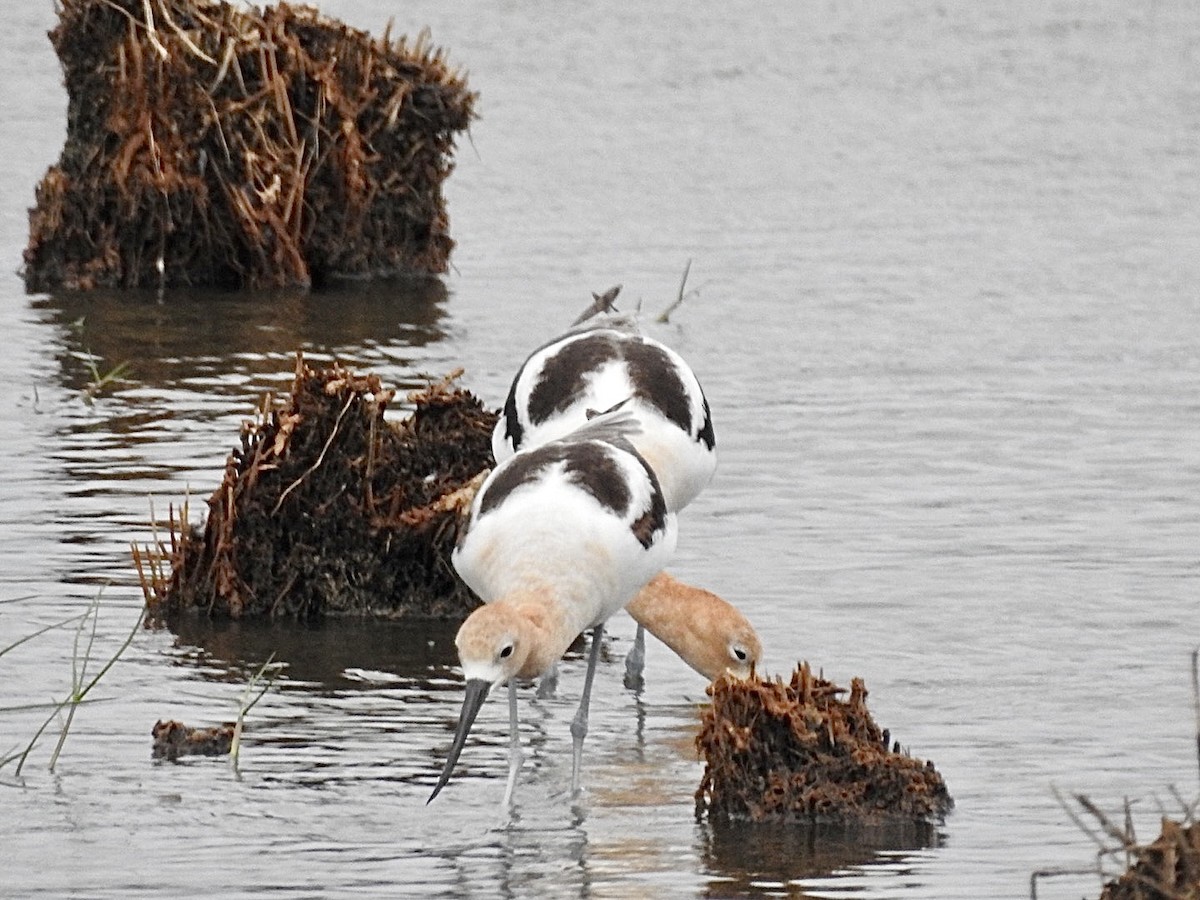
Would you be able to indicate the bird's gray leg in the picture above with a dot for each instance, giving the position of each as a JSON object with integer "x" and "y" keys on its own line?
{"x": 515, "y": 756}
{"x": 579, "y": 725}
{"x": 635, "y": 662}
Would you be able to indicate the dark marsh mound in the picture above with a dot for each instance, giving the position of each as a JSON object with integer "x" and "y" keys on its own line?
{"x": 795, "y": 752}
{"x": 328, "y": 509}
{"x": 1166, "y": 869}
{"x": 209, "y": 144}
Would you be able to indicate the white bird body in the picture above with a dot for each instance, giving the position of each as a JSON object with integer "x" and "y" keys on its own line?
{"x": 549, "y": 531}
{"x": 559, "y": 537}
{"x": 594, "y": 369}
{"x": 606, "y": 364}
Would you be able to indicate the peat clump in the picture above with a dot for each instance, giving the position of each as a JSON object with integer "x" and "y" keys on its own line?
{"x": 328, "y": 509}
{"x": 1166, "y": 869}
{"x": 796, "y": 752}
{"x": 172, "y": 739}
{"x": 209, "y": 144}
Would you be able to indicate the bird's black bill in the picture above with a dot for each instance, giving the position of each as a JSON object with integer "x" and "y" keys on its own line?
{"x": 477, "y": 691}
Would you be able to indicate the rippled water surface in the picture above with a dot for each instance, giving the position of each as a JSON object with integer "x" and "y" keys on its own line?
{"x": 948, "y": 319}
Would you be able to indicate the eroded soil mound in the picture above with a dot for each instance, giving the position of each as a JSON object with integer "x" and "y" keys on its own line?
{"x": 796, "y": 752}
{"x": 213, "y": 144}
{"x": 327, "y": 509}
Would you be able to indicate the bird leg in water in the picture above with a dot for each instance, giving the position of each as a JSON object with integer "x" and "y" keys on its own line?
{"x": 635, "y": 662}
{"x": 515, "y": 756}
{"x": 579, "y": 725}
{"x": 548, "y": 683}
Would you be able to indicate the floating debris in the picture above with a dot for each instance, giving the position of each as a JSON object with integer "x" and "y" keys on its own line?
{"x": 173, "y": 739}
{"x": 212, "y": 144}
{"x": 327, "y": 509}
{"x": 795, "y": 752}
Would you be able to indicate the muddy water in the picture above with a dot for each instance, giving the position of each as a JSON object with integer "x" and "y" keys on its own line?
{"x": 947, "y": 319}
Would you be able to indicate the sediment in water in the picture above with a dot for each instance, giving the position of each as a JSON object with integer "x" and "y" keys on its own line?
{"x": 795, "y": 752}
{"x": 209, "y": 144}
{"x": 328, "y": 509}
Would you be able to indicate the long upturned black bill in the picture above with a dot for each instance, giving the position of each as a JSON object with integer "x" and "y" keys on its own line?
{"x": 477, "y": 691}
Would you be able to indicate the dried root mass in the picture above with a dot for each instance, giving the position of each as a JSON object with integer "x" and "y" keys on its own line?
{"x": 328, "y": 509}
{"x": 1167, "y": 869}
{"x": 213, "y": 144}
{"x": 796, "y": 752}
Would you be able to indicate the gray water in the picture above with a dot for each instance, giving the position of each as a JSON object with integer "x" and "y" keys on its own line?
{"x": 947, "y": 259}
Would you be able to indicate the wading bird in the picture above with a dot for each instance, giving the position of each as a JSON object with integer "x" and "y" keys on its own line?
{"x": 558, "y": 538}
{"x": 608, "y": 363}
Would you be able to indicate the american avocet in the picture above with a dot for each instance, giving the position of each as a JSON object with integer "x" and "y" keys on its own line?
{"x": 559, "y": 538}
{"x": 597, "y": 366}
{"x": 707, "y": 632}
{"x": 594, "y": 368}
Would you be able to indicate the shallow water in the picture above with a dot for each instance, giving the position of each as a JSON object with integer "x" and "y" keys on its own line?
{"x": 947, "y": 320}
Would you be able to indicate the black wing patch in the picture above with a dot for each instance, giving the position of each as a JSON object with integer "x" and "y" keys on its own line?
{"x": 563, "y": 375}
{"x": 706, "y": 430}
{"x": 656, "y": 380}
{"x": 590, "y": 466}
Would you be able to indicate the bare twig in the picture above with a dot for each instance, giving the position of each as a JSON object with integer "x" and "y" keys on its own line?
{"x": 1196, "y": 697}
{"x": 1053, "y": 873}
{"x": 601, "y": 303}
{"x": 665, "y": 316}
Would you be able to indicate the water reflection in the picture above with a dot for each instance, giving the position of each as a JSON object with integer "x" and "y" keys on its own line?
{"x": 322, "y": 654}
{"x": 198, "y": 365}
{"x": 749, "y": 860}
{"x": 186, "y": 334}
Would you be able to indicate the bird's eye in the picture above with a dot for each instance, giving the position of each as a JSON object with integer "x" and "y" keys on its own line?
{"x": 740, "y": 654}
{"x": 506, "y": 651}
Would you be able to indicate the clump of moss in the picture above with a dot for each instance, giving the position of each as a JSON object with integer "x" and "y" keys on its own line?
{"x": 794, "y": 751}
